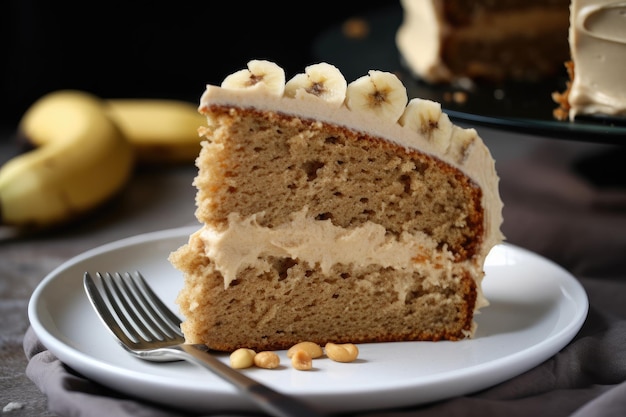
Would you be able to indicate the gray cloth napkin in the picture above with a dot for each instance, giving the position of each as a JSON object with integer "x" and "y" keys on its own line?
{"x": 551, "y": 209}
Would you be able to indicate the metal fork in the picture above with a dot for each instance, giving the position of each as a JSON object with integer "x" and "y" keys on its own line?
{"x": 144, "y": 326}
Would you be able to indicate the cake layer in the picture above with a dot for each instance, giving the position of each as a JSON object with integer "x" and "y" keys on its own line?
{"x": 291, "y": 300}
{"x": 316, "y": 140}
{"x": 342, "y": 175}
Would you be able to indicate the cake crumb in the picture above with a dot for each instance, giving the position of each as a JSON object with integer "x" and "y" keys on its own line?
{"x": 12, "y": 406}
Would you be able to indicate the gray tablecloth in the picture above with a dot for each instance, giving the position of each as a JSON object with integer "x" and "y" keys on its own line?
{"x": 550, "y": 208}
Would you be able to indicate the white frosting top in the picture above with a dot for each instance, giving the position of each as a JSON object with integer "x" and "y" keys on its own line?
{"x": 598, "y": 45}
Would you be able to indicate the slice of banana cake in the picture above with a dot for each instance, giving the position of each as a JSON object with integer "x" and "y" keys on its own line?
{"x": 334, "y": 212}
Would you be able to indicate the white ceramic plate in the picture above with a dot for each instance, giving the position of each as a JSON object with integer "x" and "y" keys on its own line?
{"x": 536, "y": 309}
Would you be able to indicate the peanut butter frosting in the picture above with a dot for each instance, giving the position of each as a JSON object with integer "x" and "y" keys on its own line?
{"x": 245, "y": 243}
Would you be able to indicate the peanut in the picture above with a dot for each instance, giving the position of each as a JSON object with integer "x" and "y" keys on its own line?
{"x": 266, "y": 360}
{"x": 313, "y": 349}
{"x": 341, "y": 353}
{"x": 301, "y": 360}
{"x": 242, "y": 358}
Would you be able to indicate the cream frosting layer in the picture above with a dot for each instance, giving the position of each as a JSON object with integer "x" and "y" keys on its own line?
{"x": 598, "y": 46}
{"x": 423, "y": 31}
{"x": 245, "y": 243}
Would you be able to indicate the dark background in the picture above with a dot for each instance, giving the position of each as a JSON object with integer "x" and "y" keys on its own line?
{"x": 151, "y": 49}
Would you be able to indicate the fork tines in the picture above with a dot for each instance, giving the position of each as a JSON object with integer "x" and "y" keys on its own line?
{"x": 138, "y": 311}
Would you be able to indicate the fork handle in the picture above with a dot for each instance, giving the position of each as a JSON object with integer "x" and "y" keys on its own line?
{"x": 273, "y": 402}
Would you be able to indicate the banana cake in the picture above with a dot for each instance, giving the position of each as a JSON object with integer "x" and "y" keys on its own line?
{"x": 455, "y": 41}
{"x": 334, "y": 212}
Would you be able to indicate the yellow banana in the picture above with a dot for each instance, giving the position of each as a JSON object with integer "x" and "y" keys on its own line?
{"x": 81, "y": 160}
{"x": 162, "y": 131}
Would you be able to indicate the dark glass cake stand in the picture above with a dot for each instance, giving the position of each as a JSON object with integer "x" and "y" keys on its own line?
{"x": 519, "y": 107}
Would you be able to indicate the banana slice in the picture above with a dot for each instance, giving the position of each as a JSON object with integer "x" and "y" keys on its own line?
{"x": 427, "y": 118}
{"x": 322, "y": 80}
{"x": 379, "y": 92}
{"x": 260, "y": 75}
{"x": 461, "y": 145}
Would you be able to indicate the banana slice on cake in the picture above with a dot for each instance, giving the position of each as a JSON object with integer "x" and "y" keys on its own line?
{"x": 322, "y": 80}
{"x": 427, "y": 118}
{"x": 260, "y": 75}
{"x": 379, "y": 92}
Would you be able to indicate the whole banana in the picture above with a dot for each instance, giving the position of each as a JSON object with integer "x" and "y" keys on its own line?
{"x": 161, "y": 131}
{"x": 81, "y": 160}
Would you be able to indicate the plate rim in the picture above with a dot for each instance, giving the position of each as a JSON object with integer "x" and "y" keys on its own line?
{"x": 231, "y": 399}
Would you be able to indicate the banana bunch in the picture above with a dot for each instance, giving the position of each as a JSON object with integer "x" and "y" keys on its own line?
{"x": 85, "y": 151}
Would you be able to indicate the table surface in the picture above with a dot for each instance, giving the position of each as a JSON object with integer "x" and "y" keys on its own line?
{"x": 155, "y": 199}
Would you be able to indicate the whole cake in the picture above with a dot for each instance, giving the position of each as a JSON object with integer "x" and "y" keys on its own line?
{"x": 597, "y": 64}
{"x": 444, "y": 41}
{"x": 334, "y": 212}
